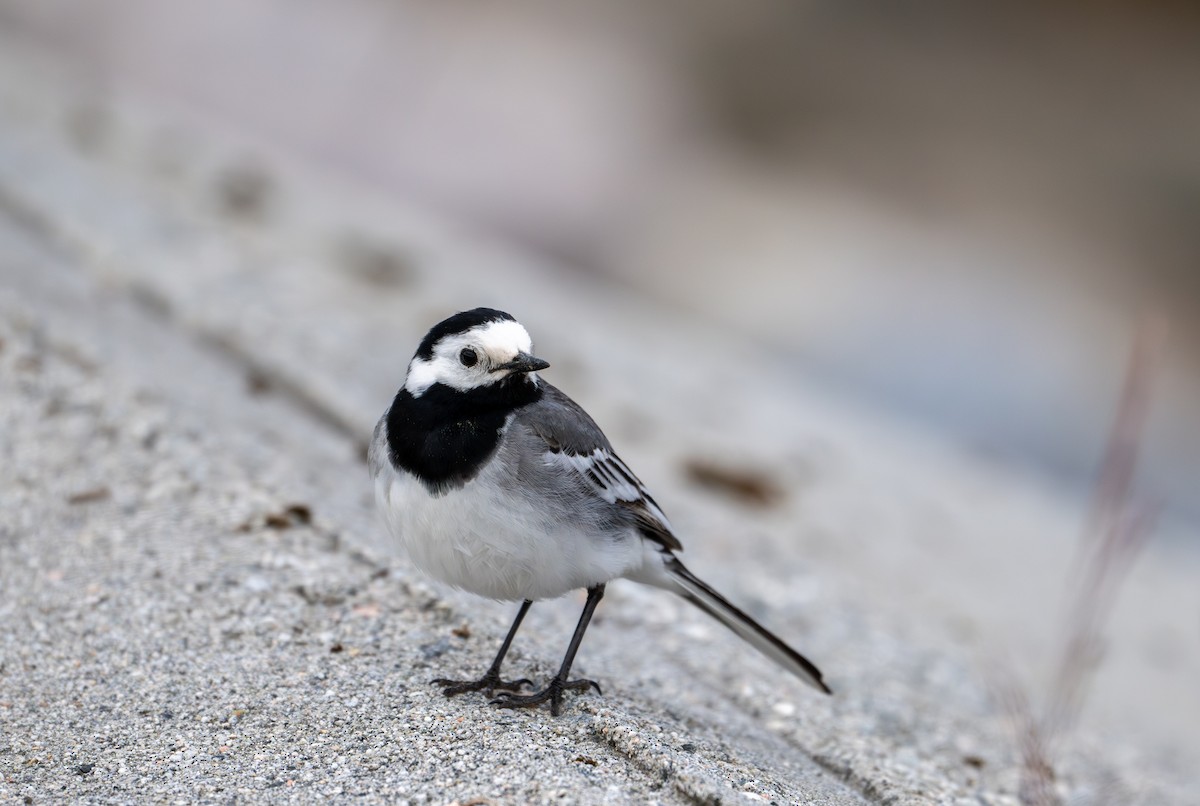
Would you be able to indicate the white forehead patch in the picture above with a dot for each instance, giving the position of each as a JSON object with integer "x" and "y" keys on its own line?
{"x": 502, "y": 339}
{"x": 494, "y": 343}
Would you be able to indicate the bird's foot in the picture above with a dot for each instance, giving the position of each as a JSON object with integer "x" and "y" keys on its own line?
{"x": 489, "y": 684}
{"x": 552, "y": 693}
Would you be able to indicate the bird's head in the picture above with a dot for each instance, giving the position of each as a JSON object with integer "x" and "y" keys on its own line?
{"x": 472, "y": 350}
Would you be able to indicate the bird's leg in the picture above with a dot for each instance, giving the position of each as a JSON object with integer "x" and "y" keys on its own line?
{"x": 553, "y": 692}
{"x": 490, "y": 681}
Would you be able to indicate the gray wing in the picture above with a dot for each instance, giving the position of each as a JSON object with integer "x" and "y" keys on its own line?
{"x": 575, "y": 445}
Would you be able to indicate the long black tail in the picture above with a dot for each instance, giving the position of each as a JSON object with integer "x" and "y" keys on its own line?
{"x": 758, "y": 636}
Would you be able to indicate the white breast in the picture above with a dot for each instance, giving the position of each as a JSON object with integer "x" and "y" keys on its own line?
{"x": 489, "y": 540}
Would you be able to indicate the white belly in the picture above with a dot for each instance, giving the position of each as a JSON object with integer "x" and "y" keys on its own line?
{"x": 488, "y": 541}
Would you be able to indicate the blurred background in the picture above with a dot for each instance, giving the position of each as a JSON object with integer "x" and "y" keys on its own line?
{"x": 955, "y": 212}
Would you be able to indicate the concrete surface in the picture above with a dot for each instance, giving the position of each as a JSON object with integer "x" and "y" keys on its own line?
{"x": 196, "y": 602}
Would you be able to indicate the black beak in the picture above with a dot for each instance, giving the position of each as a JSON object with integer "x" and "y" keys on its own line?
{"x": 524, "y": 362}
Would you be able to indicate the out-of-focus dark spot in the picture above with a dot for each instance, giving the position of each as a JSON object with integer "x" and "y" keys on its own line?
{"x": 258, "y": 382}
{"x": 245, "y": 190}
{"x": 89, "y": 496}
{"x": 974, "y": 761}
{"x": 276, "y": 520}
{"x": 294, "y": 515}
{"x": 463, "y": 631}
{"x": 336, "y": 648}
{"x": 374, "y": 262}
{"x": 750, "y": 487}
{"x": 301, "y": 513}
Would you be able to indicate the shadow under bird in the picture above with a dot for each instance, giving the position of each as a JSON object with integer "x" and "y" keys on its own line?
{"x": 499, "y": 484}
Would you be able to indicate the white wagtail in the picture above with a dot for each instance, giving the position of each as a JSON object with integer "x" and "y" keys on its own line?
{"x": 499, "y": 484}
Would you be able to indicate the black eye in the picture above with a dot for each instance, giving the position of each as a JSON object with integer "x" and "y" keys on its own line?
{"x": 468, "y": 357}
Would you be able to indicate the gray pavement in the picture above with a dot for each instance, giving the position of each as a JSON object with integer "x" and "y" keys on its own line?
{"x": 197, "y": 603}
{"x": 184, "y": 619}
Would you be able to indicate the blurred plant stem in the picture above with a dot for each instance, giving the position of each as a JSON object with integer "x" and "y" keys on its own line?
{"x": 1117, "y": 529}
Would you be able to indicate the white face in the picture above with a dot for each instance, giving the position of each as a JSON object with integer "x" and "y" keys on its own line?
{"x": 493, "y": 344}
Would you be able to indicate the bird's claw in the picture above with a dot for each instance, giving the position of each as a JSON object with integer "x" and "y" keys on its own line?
{"x": 489, "y": 684}
{"x": 552, "y": 693}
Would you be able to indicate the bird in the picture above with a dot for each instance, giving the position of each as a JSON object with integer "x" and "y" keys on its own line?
{"x": 497, "y": 483}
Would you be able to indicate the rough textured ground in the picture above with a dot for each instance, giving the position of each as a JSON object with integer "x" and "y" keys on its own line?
{"x": 196, "y": 602}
